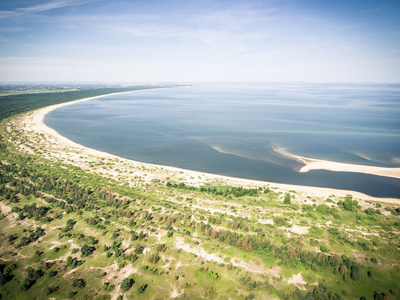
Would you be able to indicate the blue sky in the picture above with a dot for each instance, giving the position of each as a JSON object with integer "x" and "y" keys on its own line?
{"x": 209, "y": 40}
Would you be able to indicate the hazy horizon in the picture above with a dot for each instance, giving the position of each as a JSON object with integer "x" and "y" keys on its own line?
{"x": 193, "y": 41}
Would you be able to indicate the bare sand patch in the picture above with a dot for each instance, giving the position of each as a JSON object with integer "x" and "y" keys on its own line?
{"x": 298, "y": 229}
{"x": 263, "y": 221}
{"x": 298, "y": 281}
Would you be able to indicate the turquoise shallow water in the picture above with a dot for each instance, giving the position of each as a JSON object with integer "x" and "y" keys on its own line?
{"x": 237, "y": 130}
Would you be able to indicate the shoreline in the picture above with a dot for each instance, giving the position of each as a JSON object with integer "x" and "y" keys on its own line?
{"x": 34, "y": 121}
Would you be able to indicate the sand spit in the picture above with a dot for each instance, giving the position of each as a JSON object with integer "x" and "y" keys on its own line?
{"x": 32, "y": 123}
{"x": 317, "y": 164}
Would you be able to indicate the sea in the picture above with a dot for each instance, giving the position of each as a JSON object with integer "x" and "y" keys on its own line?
{"x": 249, "y": 130}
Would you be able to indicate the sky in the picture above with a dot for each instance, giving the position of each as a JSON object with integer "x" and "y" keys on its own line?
{"x": 200, "y": 41}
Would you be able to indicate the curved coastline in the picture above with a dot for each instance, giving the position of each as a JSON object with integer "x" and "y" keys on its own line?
{"x": 35, "y": 122}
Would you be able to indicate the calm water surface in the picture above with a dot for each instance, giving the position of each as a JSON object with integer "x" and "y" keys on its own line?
{"x": 238, "y": 130}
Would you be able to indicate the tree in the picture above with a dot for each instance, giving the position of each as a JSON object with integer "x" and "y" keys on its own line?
{"x": 87, "y": 250}
{"x": 126, "y": 284}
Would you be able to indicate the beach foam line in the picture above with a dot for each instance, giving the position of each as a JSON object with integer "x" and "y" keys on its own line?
{"x": 319, "y": 164}
{"x": 34, "y": 120}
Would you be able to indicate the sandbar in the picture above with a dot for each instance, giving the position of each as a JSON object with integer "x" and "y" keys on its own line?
{"x": 319, "y": 164}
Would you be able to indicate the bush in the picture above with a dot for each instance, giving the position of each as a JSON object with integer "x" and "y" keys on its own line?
{"x": 324, "y": 248}
{"x": 142, "y": 288}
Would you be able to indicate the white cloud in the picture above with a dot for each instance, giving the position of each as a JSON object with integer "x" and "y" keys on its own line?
{"x": 42, "y": 7}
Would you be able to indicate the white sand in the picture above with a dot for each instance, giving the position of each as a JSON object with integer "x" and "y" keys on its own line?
{"x": 34, "y": 121}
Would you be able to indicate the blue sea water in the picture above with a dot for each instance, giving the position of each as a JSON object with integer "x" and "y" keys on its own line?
{"x": 240, "y": 129}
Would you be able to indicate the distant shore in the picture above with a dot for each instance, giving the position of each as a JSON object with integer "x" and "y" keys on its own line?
{"x": 34, "y": 121}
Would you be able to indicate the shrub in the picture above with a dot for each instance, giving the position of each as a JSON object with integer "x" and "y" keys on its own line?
{"x": 287, "y": 199}
{"x": 323, "y": 248}
{"x": 52, "y": 273}
{"x": 323, "y": 209}
{"x": 348, "y": 204}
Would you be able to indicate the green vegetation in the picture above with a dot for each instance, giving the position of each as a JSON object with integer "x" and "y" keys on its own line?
{"x": 71, "y": 231}
{"x": 19, "y": 103}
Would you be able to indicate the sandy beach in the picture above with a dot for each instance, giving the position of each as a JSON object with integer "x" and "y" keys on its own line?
{"x": 61, "y": 148}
